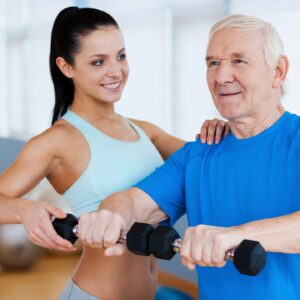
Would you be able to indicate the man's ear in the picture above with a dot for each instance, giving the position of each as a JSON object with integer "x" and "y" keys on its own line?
{"x": 280, "y": 71}
{"x": 64, "y": 67}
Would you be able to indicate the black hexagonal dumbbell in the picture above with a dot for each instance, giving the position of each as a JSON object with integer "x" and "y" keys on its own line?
{"x": 137, "y": 238}
{"x": 162, "y": 241}
{"x": 249, "y": 257}
{"x": 66, "y": 228}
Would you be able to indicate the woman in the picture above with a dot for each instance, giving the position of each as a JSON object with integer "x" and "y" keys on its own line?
{"x": 89, "y": 152}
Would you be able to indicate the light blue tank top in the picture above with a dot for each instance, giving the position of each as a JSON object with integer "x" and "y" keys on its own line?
{"x": 114, "y": 165}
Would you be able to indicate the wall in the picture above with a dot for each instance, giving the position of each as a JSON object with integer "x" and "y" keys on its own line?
{"x": 9, "y": 149}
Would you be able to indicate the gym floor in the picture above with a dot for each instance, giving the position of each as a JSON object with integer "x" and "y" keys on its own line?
{"x": 48, "y": 277}
{"x": 44, "y": 280}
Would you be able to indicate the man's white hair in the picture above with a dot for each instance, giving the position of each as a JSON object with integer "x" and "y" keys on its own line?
{"x": 272, "y": 43}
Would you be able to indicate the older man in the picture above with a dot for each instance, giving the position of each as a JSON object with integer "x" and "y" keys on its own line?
{"x": 246, "y": 187}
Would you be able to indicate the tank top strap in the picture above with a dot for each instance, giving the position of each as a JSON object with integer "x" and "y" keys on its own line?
{"x": 85, "y": 128}
{"x": 142, "y": 135}
{"x": 89, "y": 131}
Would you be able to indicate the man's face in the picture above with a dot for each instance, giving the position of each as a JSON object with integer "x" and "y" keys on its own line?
{"x": 238, "y": 77}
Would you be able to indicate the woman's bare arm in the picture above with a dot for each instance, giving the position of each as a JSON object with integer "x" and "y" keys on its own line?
{"x": 32, "y": 164}
{"x": 212, "y": 131}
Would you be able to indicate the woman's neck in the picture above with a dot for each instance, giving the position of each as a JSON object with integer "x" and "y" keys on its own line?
{"x": 93, "y": 110}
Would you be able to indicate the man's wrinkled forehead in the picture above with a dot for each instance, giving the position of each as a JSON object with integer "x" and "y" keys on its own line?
{"x": 234, "y": 42}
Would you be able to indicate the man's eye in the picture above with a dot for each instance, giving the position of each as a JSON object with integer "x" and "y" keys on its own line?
{"x": 122, "y": 56}
{"x": 238, "y": 61}
{"x": 213, "y": 63}
{"x": 98, "y": 62}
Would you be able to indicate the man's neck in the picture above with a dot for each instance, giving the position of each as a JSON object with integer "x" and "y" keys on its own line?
{"x": 252, "y": 125}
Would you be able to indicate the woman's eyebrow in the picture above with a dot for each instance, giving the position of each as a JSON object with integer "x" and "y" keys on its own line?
{"x": 104, "y": 55}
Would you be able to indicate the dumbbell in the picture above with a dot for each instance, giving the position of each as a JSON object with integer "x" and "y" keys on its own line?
{"x": 164, "y": 242}
{"x": 249, "y": 257}
{"x": 137, "y": 238}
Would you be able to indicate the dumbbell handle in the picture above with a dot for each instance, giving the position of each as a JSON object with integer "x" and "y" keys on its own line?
{"x": 177, "y": 246}
{"x": 75, "y": 230}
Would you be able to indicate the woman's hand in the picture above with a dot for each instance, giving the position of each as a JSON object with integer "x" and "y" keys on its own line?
{"x": 212, "y": 131}
{"x": 36, "y": 218}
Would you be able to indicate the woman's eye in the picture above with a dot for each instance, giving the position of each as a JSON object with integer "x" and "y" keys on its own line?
{"x": 98, "y": 62}
{"x": 122, "y": 56}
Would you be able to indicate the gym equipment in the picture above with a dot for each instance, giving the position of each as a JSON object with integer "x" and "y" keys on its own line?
{"x": 249, "y": 257}
{"x": 164, "y": 242}
{"x": 66, "y": 228}
{"x": 137, "y": 239}
{"x": 16, "y": 251}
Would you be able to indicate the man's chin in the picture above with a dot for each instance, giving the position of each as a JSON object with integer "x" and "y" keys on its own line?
{"x": 230, "y": 112}
{"x": 228, "y": 115}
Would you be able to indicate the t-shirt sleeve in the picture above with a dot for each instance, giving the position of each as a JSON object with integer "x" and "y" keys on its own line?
{"x": 166, "y": 185}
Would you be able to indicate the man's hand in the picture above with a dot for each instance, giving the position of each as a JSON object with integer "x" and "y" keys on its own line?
{"x": 115, "y": 215}
{"x": 207, "y": 245}
{"x": 102, "y": 229}
{"x": 36, "y": 218}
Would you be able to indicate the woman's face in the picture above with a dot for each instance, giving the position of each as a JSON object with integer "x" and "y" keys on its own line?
{"x": 100, "y": 70}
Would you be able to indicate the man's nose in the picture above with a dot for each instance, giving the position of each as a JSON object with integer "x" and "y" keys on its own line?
{"x": 225, "y": 73}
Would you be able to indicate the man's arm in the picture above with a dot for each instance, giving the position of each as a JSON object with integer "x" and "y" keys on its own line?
{"x": 207, "y": 245}
{"x": 155, "y": 198}
{"x": 280, "y": 234}
{"x": 135, "y": 206}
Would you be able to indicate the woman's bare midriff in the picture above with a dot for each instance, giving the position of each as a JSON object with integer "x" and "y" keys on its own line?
{"x": 122, "y": 277}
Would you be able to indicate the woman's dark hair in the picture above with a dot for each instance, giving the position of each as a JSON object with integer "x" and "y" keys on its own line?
{"x": 70, "y": 25}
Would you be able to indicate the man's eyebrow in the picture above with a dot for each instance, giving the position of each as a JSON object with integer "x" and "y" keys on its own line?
{"x": 233, "y": 55}
{"x": 105, "y": 55}
{"x": 209, "y": 58}
{"x": 238, "y": 55}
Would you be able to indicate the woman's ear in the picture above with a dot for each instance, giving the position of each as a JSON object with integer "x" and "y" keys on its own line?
{"x": 64, "y": 67}
{"x": 280, "y": 71}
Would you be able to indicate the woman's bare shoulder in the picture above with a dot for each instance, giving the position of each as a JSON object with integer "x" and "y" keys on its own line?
{"x": 149, "y": 128}
{"x": 54, "y": 138}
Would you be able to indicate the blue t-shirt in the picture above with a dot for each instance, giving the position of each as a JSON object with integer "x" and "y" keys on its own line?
{"x": 235, "y": 182}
